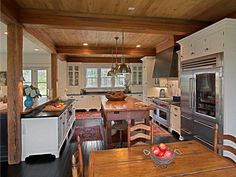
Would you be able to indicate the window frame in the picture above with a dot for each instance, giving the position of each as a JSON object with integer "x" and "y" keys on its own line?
{"x": 99, "y": 78}
{"x": 34, "y": 78}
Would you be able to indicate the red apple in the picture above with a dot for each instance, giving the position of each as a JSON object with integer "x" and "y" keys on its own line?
{"x": 156, "y": 150}
{"x": 161, "y": 154}
{"x": 168, "y": 154}
{"x": 162, "y": 147}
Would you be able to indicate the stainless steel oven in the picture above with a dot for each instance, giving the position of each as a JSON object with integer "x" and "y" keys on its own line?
{"x": 162, "y": 112}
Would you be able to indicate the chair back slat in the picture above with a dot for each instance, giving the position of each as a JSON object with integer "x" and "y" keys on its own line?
{"x": 140, "y": 126}
{"x": 140, "y": 132}
{"x": 227, "y": 137}
{"x": 223, "y": 137}
{"x": 77, "y": 161}
{"x": 140, "y": 135}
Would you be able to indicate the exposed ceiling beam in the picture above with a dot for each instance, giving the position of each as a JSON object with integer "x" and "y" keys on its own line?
{"x": 70, "y": 20}
{"x": 40, "y": 39}
{"x": 10, "y": 11}
{"x": 170, "y": 42}
{"x": 101, "y": 59}
{"x": 105, "y": 50}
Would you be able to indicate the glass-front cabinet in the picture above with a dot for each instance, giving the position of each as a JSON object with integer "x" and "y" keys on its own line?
{"x": 73, "y": 75}
{"x": 137, "y": 74}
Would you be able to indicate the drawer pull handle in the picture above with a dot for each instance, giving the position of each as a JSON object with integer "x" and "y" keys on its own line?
{"x": 175, "y": 115}
{"x": 116, "y": 112}
{"x": 196, "y": 121}
{"x": 186, "y": 131}
{"x": 186, "y": 117}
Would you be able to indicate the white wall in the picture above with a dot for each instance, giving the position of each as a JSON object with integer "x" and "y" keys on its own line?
{"x": 34, "y": 61}
{"x": 62, "y": 77}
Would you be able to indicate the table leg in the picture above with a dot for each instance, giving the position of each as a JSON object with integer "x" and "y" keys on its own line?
{"x": 108, "y": 132}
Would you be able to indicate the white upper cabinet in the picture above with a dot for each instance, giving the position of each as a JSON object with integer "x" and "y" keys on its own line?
{"x": 205, "y": 42}
{"x": 73, "y": 74}
{"x": 137, "y": 75}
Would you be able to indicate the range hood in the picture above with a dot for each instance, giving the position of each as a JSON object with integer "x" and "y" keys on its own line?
{"x": 166, "y": 64}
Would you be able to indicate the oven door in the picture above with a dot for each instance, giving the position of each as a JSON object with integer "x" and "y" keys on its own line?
{"x": 163, "y": 116}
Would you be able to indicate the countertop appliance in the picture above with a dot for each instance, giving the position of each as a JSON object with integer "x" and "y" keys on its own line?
{"x": 201, "y": 98}
{"x": 162, "y": 93}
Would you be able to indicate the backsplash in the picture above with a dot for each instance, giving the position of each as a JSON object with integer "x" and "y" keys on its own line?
{"x": 173, "y": 88}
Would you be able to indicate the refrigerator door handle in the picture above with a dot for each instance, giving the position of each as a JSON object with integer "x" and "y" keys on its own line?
{"x": 190, "y": 92}
{"x": 193, "y": 93}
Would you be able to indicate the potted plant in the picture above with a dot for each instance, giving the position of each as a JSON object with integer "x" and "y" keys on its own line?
{"x": 31, "y": 94}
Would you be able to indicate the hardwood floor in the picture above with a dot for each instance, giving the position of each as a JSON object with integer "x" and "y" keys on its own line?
{"x": 48, "y": 166}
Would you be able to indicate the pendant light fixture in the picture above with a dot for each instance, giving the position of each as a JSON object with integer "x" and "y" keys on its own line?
{"x": 111, "y": 72}
{"x": 117, "y": 66}
{"x": 124, "y": 68}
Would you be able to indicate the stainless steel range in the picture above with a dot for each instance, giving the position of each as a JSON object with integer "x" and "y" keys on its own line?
{"x": 162, "y": 112}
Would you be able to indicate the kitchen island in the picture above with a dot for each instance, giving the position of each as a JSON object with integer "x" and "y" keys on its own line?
{"x": 129, "y": 109}
{"x": 44, "y": 132}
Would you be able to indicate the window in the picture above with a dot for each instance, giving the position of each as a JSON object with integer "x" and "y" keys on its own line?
{"x": 91, "y": 77}
{"x": 27, "y": 74}
{"x": 42, "y": 82}
{"x": 105, "y": 80}
{"x": 97, "y": 78}
{"x": 120, "y": 80}
{"x": 38, "y": 78}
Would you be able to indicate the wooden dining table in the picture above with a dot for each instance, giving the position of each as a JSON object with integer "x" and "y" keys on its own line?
{"x": 196, "y": 160}
{"x": 128, "y": 109}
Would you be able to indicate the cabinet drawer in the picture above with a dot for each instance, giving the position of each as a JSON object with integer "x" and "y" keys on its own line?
{"x": 204, "y": 130}
{"x": 175, "y": 110}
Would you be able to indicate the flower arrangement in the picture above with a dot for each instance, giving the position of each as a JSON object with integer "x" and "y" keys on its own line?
{"x": 30, "y": 90}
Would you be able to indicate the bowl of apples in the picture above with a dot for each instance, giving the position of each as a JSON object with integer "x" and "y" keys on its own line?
{"x": 161, "y": 154}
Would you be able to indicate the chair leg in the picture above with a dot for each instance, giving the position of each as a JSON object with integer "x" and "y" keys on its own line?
{"x": 121, "y": 142}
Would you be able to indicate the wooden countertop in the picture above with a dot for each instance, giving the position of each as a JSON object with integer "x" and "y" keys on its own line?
{"x": 195, "y": 160}
{"x": 129, "y": 104}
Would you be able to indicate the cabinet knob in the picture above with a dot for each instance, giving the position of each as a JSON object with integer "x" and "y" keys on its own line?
{"x": 206, "y": 49}
{"x": 192, "y": 53}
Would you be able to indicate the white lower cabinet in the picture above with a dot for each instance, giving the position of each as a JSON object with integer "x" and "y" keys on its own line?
{"x": 175, "y": 119}
{"x": 136, "y": 95}
{"x": 87, "y": 102}
{"x": 45, "y": 135}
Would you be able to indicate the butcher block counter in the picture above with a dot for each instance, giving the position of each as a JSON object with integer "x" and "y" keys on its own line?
{"x": 129, "y": 109}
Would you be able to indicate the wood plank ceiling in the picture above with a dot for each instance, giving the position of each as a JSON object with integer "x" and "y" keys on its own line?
{"x": 70, "y": 23}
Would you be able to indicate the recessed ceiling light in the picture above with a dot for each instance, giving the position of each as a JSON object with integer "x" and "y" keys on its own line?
{"x": 138, "y": 46}
{"x": 6, "y": 33}
{"x": 85, "y": 44}
{"x": 131, "y": 8}
{"x": 36, "y": 49}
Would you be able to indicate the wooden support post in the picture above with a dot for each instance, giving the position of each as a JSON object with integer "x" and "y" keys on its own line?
{"x": 14, "y": 91}
{"x": 54, "y": 75}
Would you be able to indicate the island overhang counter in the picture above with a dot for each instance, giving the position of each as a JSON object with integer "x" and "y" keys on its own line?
{"x": 128, "y": 109}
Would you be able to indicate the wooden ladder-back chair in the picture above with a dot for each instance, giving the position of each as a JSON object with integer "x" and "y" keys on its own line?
{"x": 77, "y": 161}
{"x": 140, "y": 132}
{"x": 221, "y": 137}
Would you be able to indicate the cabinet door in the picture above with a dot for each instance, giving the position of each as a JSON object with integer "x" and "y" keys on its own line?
{"x": 70, "y": 76}
{"x": 134, "y": 75}
{"x": 188, "y": 50}
{"x": 140, "y": 75}
{"x": 214, "y": 43}
{"x": 76, "y": 75}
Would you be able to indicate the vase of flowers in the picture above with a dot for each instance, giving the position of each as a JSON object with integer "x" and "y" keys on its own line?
{"x": 31, "y": 94}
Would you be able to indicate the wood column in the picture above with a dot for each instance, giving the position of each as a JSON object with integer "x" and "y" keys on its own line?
{"x": 14, "y": 91}
{"x": 54, "y": 75}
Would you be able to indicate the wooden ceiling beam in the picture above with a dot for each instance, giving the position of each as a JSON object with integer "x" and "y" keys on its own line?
{"x": 40, "y": 39}
{"x": 101, "y": 59}
{"x": 69, "y": 20}
{"x": 105, "y": 50}
{"x": 10, "y": 11}
{"x": 170, "y": 42}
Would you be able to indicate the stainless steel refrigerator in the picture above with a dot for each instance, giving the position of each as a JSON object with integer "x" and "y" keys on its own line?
{"x": 201, "y": 98}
